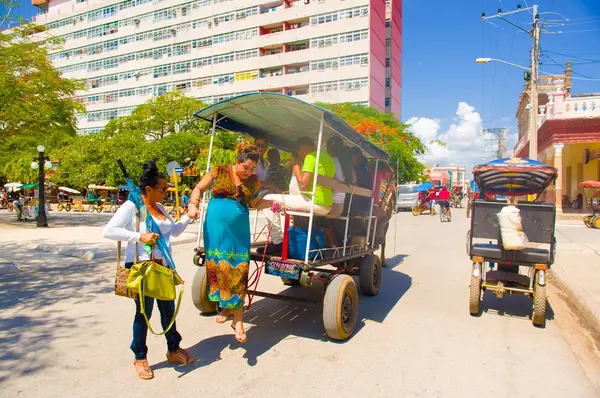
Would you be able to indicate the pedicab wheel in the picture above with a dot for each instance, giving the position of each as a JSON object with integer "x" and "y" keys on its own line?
{"x": 10, "y": 207}
{"x": 92, "y": 208}
{"x": 539, "y": 302}
{"x": 196, "y": 259}
{"x": 370, "y": 275}
{"x": 113, "y": 209}
{"x": 200, "y": 293}
{"x": 68, "y": 207}
{"x": 340, "y": 307}
{"x": 99, "y": 209}
{"x": 587, "y": 220}
{"x": 415, "y": 211}
{"x": 59, "y": 207}
{"x": 596, "y": 222}
{"x": 475, "y": 295}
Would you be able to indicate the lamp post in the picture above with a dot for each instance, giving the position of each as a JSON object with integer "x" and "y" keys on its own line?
{"x": 40, "y": 164}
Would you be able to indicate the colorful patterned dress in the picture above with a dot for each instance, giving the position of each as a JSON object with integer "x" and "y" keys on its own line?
{"x": 227, "y": 237}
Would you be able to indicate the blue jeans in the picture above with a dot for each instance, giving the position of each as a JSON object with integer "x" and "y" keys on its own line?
{"x": 140, "y": 329}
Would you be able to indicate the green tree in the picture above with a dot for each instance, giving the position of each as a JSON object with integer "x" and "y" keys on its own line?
{"x": 388, "y": 133}
{"x": 37, "y": 104}
{"x": 160, "y": 116}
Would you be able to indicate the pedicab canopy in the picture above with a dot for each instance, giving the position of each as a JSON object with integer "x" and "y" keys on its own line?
{"x": 284, "y": 119}
{"x": 590, "y": 184}
{"x": 514, "y": 177}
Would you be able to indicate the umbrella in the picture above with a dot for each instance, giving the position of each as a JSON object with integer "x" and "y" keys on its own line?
{"x": 424, "y": 187}
{"x": 12, "y": 186}
{"x": 69, "y": 190}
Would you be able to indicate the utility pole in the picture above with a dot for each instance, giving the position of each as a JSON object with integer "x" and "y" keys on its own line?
{"x": 533, "y": 78}
{"x": 533, "y": 82}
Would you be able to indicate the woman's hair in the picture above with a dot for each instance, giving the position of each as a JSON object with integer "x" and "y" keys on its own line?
{"x": 245, "y": 151}
{"x": 150, "y": 175}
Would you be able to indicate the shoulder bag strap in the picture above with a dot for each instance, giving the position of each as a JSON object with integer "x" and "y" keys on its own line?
{"x": 137, "y": 244}
{"x": 143, "y": 311}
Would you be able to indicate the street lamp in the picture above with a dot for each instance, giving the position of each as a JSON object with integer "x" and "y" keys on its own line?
{"x": 533, "y": 99}
{"x": 40, "y": 164}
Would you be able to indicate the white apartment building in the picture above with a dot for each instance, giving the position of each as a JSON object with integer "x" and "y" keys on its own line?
{"x": 318, "y": 50}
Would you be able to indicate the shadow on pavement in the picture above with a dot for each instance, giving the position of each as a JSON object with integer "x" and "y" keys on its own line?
{"x": 30, "y": 321}
{"x": 275, "y": 321}
{"x": 517, "y": 306}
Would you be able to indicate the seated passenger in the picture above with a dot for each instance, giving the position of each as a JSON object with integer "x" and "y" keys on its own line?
{"x": 305, "y": 166}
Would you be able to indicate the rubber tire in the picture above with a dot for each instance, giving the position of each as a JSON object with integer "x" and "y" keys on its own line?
{"x": 59, "y": 207}
{"x": 113, "y": 209}
{"x": 539, "y": 302}
{"x": 596, "y": 222}
{"x": 200, "y": 295}
{"x": 92, "y": 208}
{"x": 415, "y": 211}
{"x": 475, "y": 296}
{"x": 341, "y": 287}
{"x": 196, "y": 259}
{"x": 68, "y": 207}
{"x": 370, "y": 284}
{"x": 10, "y": 207}
{"x": 587, "y": 221}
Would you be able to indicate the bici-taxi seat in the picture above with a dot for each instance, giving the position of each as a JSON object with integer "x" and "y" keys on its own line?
{"x": 528, "y": 255}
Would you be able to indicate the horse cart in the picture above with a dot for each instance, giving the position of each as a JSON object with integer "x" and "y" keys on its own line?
{"x": 284, "y": 119}
{"x": 494, "y": 268}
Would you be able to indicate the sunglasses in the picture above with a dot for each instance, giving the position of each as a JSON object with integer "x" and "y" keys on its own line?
{"x": 162, "y": 190}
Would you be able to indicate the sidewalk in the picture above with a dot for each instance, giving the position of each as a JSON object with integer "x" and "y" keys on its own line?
{"x": 69, "y": 234}
{"x": 577, "y": 268}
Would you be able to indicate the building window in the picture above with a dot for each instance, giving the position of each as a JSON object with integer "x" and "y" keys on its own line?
{"x": 182, "y": 67}
{"x": 323, "y": 64}
{"x": 388, "y": 101}
{"x": 387, "y": 62}
{"x": 162, "y": 71}
{"x": 250, "y": 75}
{"x": 387, "y": 82}
{"x": 323, "y": 87}
{"x": 246, "y": 54}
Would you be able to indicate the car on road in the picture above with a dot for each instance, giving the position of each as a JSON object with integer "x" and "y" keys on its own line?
{"x": 407, "y": 197}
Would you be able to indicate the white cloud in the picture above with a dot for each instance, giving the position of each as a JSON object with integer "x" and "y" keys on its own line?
{"x": 464, "y": 143}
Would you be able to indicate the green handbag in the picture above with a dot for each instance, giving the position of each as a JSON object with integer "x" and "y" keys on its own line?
{"x": 154, "y": 280}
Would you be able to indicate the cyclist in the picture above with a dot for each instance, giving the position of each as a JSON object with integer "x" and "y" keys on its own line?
{"x": 443, "y": 201}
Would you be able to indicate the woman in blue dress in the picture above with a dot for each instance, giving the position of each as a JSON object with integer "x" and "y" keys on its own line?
{"x": 233, "y": 189}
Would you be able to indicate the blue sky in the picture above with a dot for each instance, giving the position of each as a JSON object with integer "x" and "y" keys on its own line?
{"x": 447, "y": 95}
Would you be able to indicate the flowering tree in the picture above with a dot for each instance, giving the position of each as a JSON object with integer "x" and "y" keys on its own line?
{"x": 388, "y": 133}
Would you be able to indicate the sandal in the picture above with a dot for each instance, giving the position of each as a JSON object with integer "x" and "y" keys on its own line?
{"x": 180, "y": 356}
{"x": 222, "y": 318}
{"x": 238, "y": 336}
{"x": 143, "y": 370}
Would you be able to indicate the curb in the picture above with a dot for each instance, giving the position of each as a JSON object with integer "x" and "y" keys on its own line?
{"x": 575, "y": 301}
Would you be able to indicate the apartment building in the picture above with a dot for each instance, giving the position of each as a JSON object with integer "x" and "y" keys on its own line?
{"x": 318, "y": 50}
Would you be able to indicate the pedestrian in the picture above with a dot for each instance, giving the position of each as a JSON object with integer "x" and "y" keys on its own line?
{"x": 432, "y": 197}
{"x": 125, "y": 226}
{"x": 227, "y": 231}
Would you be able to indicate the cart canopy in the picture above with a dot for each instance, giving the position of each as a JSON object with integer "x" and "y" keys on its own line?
{"x": 28, "y": 186}
{"x": 590, "y": 184}
{"x": 69, "y": 190}
{"x": 284, "y": 119}
{"x": 514, "y": 176}
{"x": 105, "y": 187}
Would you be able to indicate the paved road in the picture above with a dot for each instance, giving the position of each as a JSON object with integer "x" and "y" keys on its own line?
{"x": 63, "y": 333}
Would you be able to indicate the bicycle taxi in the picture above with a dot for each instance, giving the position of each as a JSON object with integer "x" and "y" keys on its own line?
{"x": 494, "y": 267}
{"x": 100, "y": 203}
{"x": 283, "y": 119}
{"x": 591, "y": 191}
{"x": 64, "y": 200}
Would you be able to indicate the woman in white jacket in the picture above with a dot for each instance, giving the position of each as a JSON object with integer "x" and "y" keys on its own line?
{"x": 123, "y": 227}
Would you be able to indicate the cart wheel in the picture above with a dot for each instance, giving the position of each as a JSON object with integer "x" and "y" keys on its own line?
{"x": 173, "y": 213}
{"x": 340, "y": 307}
{"x": 200, "y": 293}
{"x": 196, "y": 259}
{"x": 68, "y": 207}
{"x": 370, "y": 275}
{"x": 596, "y": 222}
{"x": 59, "y": 207}
{"x": 587, "y": 220}
{"x": 113, "y": 209}
{"x": 539, "y": 302}
{"x": 415, "y": 211}
{"x": 10, "y": 207}
{"x": 92, "y": 208}
{"x": 475, "y": 296}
